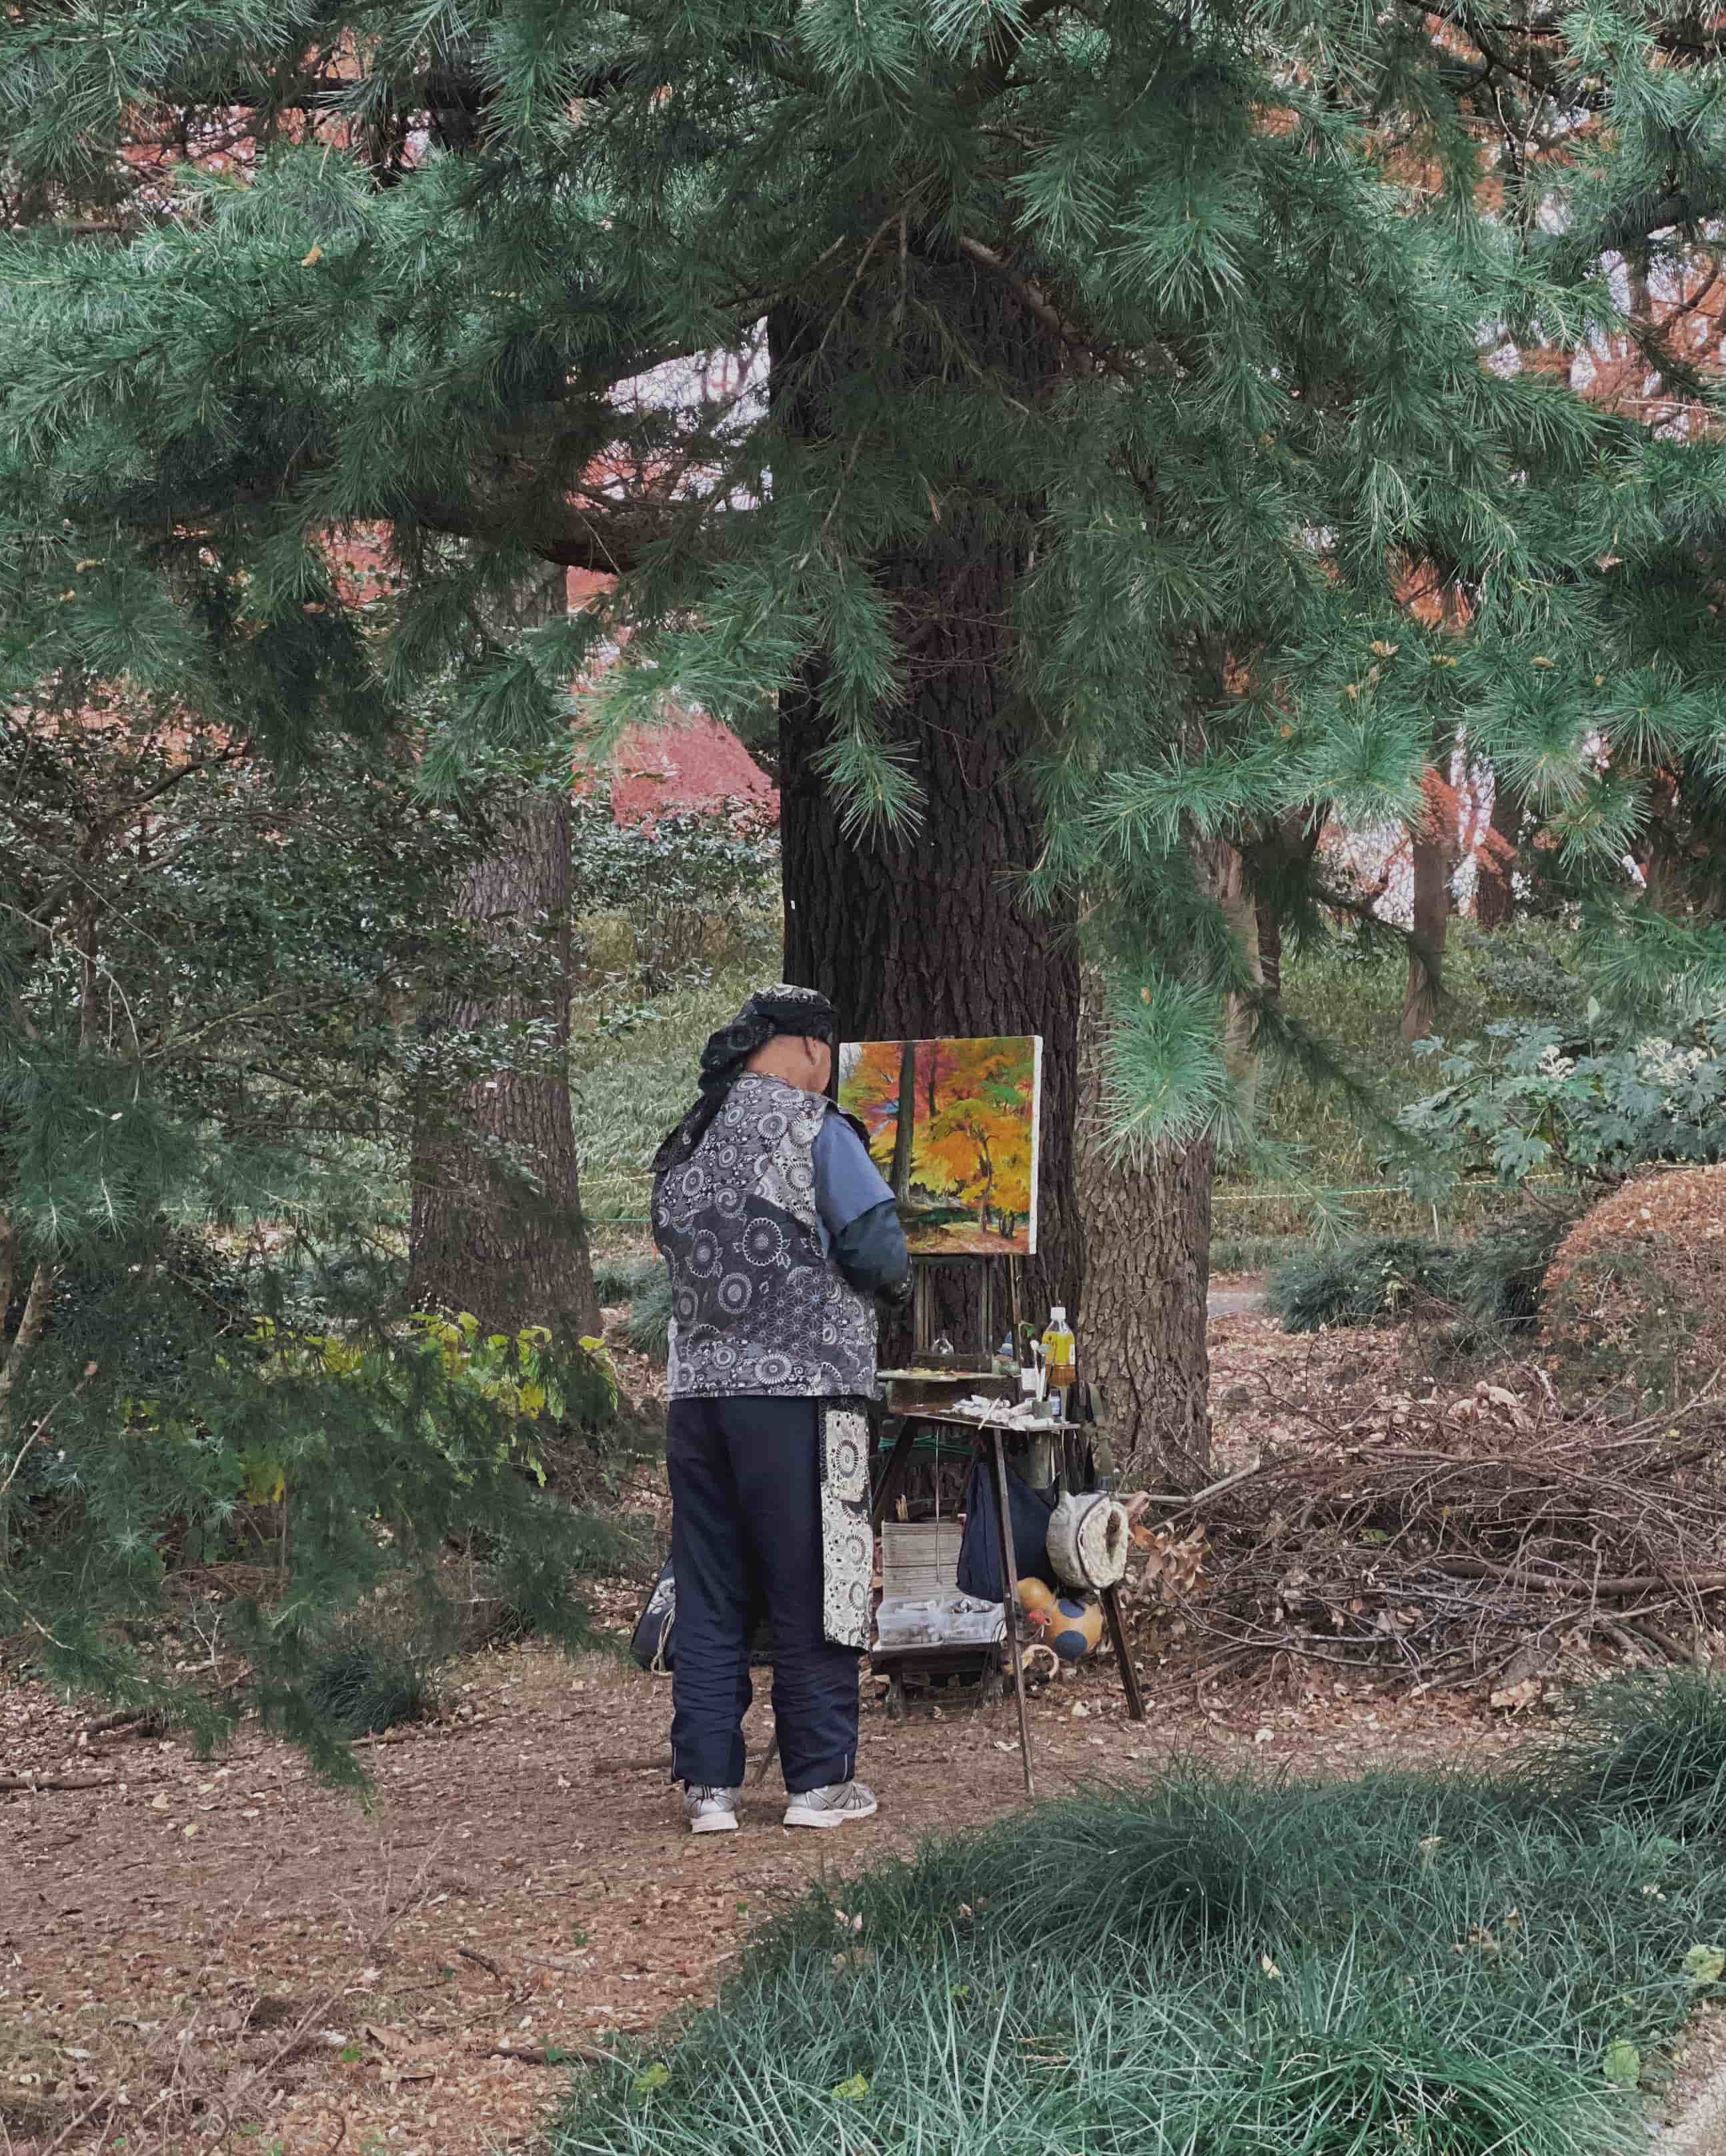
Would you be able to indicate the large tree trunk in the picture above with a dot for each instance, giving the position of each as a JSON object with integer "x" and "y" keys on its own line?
{"x": 1147, "y": 1230}
{"x": 497, "y": 1226}
{"x": 1494, "y": 890}
{"x": 922, "y": 934}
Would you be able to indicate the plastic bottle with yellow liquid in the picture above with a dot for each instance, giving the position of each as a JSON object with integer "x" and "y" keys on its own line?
{"x": 1061, "y": 1352}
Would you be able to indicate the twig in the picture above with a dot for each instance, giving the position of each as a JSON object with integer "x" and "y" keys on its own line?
{"x": 485, "y": 1961}
{"x": 222, "y": 2114}
{"x": 555, "y": 2055}
{"x": 110, "y": 1725}
{"x": 11, "y": 1783}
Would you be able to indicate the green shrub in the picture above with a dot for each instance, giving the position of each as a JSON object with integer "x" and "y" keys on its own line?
{"x": 1365, "y": 1281}
{"x": 1593, "y": 1099}
{"x": 1649, "y": 1750}
{"x": 1500, "y": 1271}
{"x": 621, "y": 1279}
{"x": 363, "y": 1681}
{"x": 1494, "y": 1280}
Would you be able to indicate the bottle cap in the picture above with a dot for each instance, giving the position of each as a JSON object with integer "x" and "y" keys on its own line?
{"x": 1057, "y": 1316}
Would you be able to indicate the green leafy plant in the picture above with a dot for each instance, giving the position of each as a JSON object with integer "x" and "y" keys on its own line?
{"x": 367, "y": 1679}
{"x": 1533, "y": 1097}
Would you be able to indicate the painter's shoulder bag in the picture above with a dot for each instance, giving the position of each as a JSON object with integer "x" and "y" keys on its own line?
{"x": 651, "y": 1643}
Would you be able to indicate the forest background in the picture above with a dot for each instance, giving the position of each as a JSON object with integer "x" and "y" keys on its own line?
{"x": 1089, "y": 457}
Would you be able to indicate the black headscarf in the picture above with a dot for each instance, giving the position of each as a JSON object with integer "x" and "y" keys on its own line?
{"x": 781, "y": 1008}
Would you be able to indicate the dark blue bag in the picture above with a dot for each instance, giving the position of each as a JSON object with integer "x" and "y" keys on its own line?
{"x": 651, "y": 1645}
{"x": 980, "y": 1545}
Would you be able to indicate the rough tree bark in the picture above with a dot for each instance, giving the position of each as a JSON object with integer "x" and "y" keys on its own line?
{"x": 497, "y": 1225}
{"x": 922, "y": 934}
{"x": 1149, "y": 1231}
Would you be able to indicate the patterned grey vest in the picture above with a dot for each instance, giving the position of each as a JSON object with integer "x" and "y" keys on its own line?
{"x": 756, "y": 1304}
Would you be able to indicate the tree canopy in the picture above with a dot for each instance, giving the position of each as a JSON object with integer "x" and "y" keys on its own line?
{"x": 1300, "y": 288}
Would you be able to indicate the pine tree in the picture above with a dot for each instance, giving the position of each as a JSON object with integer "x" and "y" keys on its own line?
{"x": 1124, "y": 366}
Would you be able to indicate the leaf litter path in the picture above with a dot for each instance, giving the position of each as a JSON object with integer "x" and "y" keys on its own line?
{"x": 342, "y": 1978}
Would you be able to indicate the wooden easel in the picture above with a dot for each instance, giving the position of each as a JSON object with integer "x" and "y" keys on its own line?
{"x": 990, "y": 1443}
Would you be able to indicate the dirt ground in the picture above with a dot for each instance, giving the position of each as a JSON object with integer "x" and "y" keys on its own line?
{"x": 324, "y": 1976}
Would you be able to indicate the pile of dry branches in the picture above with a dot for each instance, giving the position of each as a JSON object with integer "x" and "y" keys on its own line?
{"x": 1481, "y": 1539}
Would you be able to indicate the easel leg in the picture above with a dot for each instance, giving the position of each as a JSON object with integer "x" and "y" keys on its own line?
{"x": 1009, "y": 1610}
{"x": 1111, "y": 1599}
{"x": 893, "y": 1474}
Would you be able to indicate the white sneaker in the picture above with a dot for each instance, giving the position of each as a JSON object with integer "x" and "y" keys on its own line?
{"x": 710, "y": 1811}
{"x": 831, "y": 1806}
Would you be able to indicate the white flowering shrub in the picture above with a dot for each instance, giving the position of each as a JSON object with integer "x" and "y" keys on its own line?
{"x": 1532, "y": 1099}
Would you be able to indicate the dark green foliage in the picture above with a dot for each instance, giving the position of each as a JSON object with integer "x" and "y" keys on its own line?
{"x": 695, "y": 885}
{"x": 622, "y": 1279}
{"x": 1501, "y": 1271}
{"x": 1457, "y": 1965}
{"x": 364, "y": 1681}
{"x": 1493, "y": 1282}
{"x": 1649, "y": 1752}
{"x": 205, "y": 1133}
{"x": 650, "y": 1316}
{"x": 1036, "y": 281}
{"x": 1622, "y": 1064}
{"x": 1363, "y": 1282}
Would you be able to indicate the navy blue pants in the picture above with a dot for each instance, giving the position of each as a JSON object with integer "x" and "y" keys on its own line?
{"x": 746, "y": 1537}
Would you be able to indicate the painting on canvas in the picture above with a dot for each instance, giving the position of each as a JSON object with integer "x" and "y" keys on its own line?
{"x": 952, "y": 1126}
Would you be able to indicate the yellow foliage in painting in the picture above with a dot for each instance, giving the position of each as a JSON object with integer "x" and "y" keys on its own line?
{"x": 964, "y": 1182}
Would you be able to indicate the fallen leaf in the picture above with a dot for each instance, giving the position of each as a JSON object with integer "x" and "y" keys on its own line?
{"x": 1622, "y": 2065}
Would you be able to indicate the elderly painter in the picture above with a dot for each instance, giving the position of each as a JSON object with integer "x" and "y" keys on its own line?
{"x": 779, "y": 1233}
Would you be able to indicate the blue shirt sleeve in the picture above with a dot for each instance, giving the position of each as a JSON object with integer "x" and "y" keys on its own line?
{"x": 848, "y": 1184}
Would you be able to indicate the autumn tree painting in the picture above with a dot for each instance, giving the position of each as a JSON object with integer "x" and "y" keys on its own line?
{"x": 952, "y": 1125}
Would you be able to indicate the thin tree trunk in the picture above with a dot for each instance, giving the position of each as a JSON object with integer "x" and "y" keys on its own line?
{"x": 497, "y": 1226}
{"x": 34, "y": 1317}
{"x": 1268, "y": 916}
{"x": 1494, "y": 889}
{"x": 1146, "y": 1230}
{"x": 1287, "y": 848}
{"x": 1434, "y": 845}
{"x": 903, "y": 1128}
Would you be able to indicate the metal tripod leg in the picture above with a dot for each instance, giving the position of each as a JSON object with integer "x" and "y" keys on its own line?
{"x": 1009, "y": 1607}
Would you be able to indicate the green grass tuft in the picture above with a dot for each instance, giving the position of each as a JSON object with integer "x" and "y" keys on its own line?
{"x": 363, "y": 1681}
{"x": 1366, "y": 1282}
{"x": 1456, "y": 1965}
{"x": 1650, "y": 1750}
{"x": 650, "y": 1316}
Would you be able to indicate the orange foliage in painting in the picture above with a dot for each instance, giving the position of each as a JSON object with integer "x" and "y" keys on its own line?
{"x": 964, "y": 1183}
